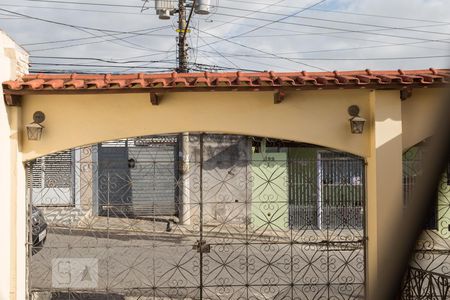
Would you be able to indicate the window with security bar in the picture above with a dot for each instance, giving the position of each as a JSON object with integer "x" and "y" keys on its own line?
{"x": 326, "y": 189}
{"x": 51, "y": 179}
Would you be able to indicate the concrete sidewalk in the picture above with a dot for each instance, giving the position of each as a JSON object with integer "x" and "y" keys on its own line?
{"x": 167, "y": 227}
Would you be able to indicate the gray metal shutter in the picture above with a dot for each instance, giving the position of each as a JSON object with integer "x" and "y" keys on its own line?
{"x": 114, "y": 181}
{"x": 154, "y": 177}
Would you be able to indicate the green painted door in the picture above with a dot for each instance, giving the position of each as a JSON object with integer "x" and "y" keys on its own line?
{"x": 270, "y": 209}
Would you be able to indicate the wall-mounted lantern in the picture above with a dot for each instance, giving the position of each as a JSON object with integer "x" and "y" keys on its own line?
{"x": 34, "y": 130}
{"x": 356, "y": 122}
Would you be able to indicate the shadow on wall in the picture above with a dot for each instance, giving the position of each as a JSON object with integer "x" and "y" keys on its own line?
{"x": 224, "y": 151}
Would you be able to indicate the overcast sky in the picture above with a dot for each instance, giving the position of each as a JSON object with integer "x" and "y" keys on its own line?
{"x": 289, "y": 35}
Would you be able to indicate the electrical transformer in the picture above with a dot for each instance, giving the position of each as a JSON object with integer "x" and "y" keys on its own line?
{"x": 164, "y": 8}
{"x": 203, "y": 7}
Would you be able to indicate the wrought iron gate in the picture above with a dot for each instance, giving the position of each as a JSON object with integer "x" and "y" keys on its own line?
{"x": 237, "y": 231}
{"x": 428, "y": 276}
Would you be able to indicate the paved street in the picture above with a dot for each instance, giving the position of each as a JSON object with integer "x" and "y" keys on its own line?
{"x": 167, "y": 265}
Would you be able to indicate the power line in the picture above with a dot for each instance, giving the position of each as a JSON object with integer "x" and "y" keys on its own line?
{"x": 270, "y": 22}
{"x": 264, "y": 52}
{"x": 377, "y": 58}
{"x": 93, "y": 65}
{"x": 142, "y": 33}
{"x": 88, "y": 3}
{"x": 307, "y": 25}
{"x": 220, "y": 54}
{"x": 89, "y": 71}
{"x": 359, "y": 59}
{"x": 168, "y": 54}
{"x": 76, "y": 9}
{"x": 327, "y": 34}
{"x": 97, "y": 42}
{"x": 96, "y": 59}
{"x": 343, "y": 22}
{"x": 298, "y": 33}
{"x": 120, "y": 66}
{"x": 389, "y": 44}
{"x": 77, "y": 45}
{"x": 249, "y": 14}
{"x": 77, "y": 27}
{"x": 189, "y": 19}
{"x": 138, "y": 32}
{"x": 345, "y": 12}
{"x": 147, "y": 34}
{"x": 411, "y": 44}
{"x": 271, "y": 13}
{"x": 196, "y": 42}
{"x": 64, "y": 24}
{"x": 247, "y": 60}
{"x": 323, "y": 50}
{"x": 279, "y": 20}
{"x": 255, "y": 2}
{"x": 333, "y": 32}
{"x": 225, "y": 68}
{"x": 371, "y": 32}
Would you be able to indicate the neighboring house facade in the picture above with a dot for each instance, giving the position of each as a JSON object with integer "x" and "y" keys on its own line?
{"x": 432, "y": 250}
{"x": 152, "y": 171}
{"x": 236, "y": 185}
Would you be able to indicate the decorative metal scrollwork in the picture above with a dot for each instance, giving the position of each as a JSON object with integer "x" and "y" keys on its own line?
{"x": 200, "y": 217}
{"x": 428, "y": 275}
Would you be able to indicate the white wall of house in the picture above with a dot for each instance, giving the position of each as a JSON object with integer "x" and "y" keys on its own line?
{"x": 13, "y": 63}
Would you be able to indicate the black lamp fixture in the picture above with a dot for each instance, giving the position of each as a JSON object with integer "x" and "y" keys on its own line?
{"x": 34, "y": 130}
{"x": 356, "y": 122}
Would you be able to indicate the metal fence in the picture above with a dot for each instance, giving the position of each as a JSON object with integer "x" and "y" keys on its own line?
{"x": 421, "y": 284}
{"x": 428, "y": 275}
{"x": 208, "y": 218}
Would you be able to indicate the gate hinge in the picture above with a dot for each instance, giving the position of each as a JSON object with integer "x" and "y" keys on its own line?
{"x": 202, "y": 246}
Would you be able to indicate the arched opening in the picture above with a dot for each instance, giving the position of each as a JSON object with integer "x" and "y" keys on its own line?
{"x": 199, "y": 216}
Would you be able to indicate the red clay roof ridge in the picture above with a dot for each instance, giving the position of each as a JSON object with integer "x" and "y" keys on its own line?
{"x": 254, "y": 80}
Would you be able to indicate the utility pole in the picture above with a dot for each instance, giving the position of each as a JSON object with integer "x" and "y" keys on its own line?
{"x": 167, "y": 8}
{"x": 182, "y": 45}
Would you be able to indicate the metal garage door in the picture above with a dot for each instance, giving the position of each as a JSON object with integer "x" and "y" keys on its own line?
{"x": 138, "y": 176}
{"x": 114, "y": 181}
{"x": 153, "y": 171}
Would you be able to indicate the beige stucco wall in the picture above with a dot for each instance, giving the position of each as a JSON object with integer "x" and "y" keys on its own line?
{"x": 384, "y": 177}
{"x": 418, "y": 115}
{"x": 317, "y": 117}
{"x": 13, "y": 63}
{"x": 308, "y": 116}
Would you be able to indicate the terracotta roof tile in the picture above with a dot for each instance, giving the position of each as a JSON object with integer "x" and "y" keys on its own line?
{"x": 139, "y": 83}
{"x": 200, "y": 81}
{"x": 96, "y": 83}
{"x": 34, "y": 84}
{"x": 53, "y": 84}
{"x": 75, "y": 84}
{"x": 231, "y": 80}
